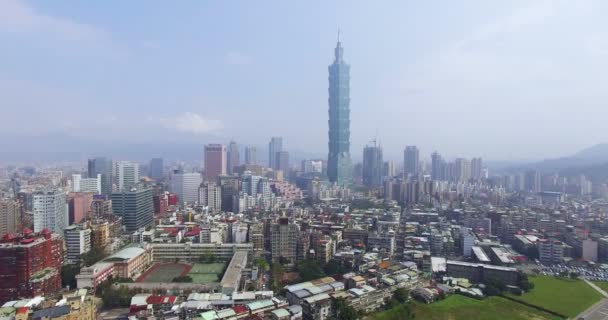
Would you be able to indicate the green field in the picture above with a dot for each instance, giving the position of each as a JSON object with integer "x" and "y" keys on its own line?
{"x": 457, "y": 307}
{"x": 602, "y": 284}
{"x": 564, "y": 296}
{"x": 206, "y": 273}
{"x": 163, "y": 273}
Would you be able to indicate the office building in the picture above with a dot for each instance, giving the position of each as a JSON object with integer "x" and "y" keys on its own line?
{"x": 532, "y": 181}
{"x": 10, "y": 216}
{"x": 283, "y": 237}
{"x": 210, "y": 196}
{"x": 103, "y": 166}
{"x": 373, "y": 166}
{"x": 156, "y": 170}
{"x": 437, "y": 167}
{"x": 251, "y": 155}
{"x": 79, "y": 206}
{"x": 339, "y": 168}
{"x": 215, "y": 161}
{"x": 389, "y": 169}
{"x": 186, "y": 185}
{"x": 411, "y": 161}
{"x": 234, "y": 157}
{"x": 50, "y": 211}
{"x": 135, "y": 206}
{"x": 30, "y": 265}
{"x": 77, "y": 243}
{"x": 80, "y": 184}
{"x": 126, "y": 174}
{"x": 229, "y": 187}
{"x": 274, "y": 146}
{"x": 467, "y": 241}
{"x": 550, "y": 251}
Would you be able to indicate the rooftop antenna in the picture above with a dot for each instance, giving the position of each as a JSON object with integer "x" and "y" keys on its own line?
{"x": 338, "y": 34}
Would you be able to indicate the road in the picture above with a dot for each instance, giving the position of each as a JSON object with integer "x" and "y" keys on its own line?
{"x": 598, "y": 311}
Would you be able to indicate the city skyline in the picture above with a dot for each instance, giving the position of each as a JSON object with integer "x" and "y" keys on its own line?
{"x": 111, "y": 76}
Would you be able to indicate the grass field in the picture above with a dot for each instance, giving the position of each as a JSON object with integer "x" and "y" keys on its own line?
{"x": 602, "y": 284}
{"x": 565, "y": 296}
{"x": 163, "y": 272}
{"x": 457, "y": 307}
{"x": 206, "y": 273}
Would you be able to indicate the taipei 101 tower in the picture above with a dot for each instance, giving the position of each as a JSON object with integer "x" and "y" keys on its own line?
{"x": 339, "y": 168}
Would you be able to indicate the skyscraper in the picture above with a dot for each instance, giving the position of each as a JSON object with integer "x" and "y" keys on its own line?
{"x": 50, "y": 211}
{"x": 103, "y": 166}
{"x": 437, "y": 167}
{"x": 338, "y": 160}
{"x": 156, "y": 169}
{"x": 126, "y": 174}
{"x": 215, "y": 161}
{"x": 462, "y": 170}
{"x": 234, "y": 157}
{"x": 476, "y": 169}
{"x": 251, "y": 156}
{"x": 274, "y": 146}
{"x": 372, "y": 166}
{"x": 282, "y": 162}
{"x": 411, "y": 160}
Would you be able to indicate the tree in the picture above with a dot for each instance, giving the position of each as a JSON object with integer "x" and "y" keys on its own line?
{"x": 277, "y": 272}
{"x": 344, "y": 311}
{"x": 334, "y": 267}
{"x": 573, "y": 275}
{"x": 93, "y": 256}
{"x": 525, "y": 283}
{"x": 310, "y": 270}
{"x": 68, "y": 275}
{"x": 182, "y": 279}
{"x": 494, "y": 287}
{"x": 262, "y": 264}
{"x": 402, "y": 295}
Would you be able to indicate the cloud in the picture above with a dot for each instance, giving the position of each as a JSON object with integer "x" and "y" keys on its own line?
{"x": 20, "y": 19}
{"x": 191, "y": 122}
{"x": 238, "y": 58}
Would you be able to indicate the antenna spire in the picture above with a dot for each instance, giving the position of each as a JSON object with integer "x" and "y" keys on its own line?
{"x": 338, "y": 34}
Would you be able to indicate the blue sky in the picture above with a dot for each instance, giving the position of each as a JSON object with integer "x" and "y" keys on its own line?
{"x": 500, "y": 79}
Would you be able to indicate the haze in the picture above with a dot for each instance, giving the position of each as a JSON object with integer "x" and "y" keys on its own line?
{"x": 503, "y": 80}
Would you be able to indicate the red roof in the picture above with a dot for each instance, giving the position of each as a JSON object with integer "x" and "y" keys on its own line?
{"x": 27, "y": 231}
{"x": 161, "y": 299}
{"x": 45, "y": 231}
{"x": 23, "y": 310}
{"x": 8, "y": 237}
{"x": 239, "y": 309}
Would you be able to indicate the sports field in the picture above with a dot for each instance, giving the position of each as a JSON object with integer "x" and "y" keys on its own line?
{"x": 206, "y": 273}
{"x": 565, "y": 296}
{"x": 457, "y": 307}
{"x": 164, "y": 272}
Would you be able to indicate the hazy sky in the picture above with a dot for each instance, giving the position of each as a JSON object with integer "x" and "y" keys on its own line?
{"x": 500, "y": 79}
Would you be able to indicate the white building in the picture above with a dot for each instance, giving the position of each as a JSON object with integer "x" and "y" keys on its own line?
{"x": 210, "y": 196}
{"x": 239, "y": 233}
{"x": 590, "y": 250}
{"x": 126, "y": 174}
{"x": 467, "y": 242}
{"x": 77, "y": 241}
{"x": 50, "y": 211}
{"x": 80, "y": 184}
{"x": 186, "y": 186}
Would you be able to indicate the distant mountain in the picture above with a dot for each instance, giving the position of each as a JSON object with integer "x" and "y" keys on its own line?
{"x": 589, "y": 157}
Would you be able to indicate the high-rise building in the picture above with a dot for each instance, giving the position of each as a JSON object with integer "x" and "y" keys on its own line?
{"x": 126, "y": 174}
{"x": 389, "y": 169}
{"x": 251, "y": 155}
{"x": 437, "y": 167}
{"x": 77, "y": 242}
{"x": 215, "y": 161}
{"x": 79, "y": 205}
{"x": 156, "y": 169}
{"x": 462, "y": 170}
{"x": 310, "y": 166}
{"x": 50, "y": 211}
{"x": 30, "y": 265}
{"x": 476, "y": 169}
{"x": 135, "y": 206}
{"x": 103, "y": 166}
{"x": 372, "y": 166}
{"x": 210, "y": 196}
{"x": 282, "y": 162}
{"x": 186, "y": 185}
{"x": 411, "y": 161}
{"x": 80, "y": 184}
{"x": 274, "y": 146}
{"x": 339, "y": 168}
{"x": 532, "y": 181}
{"x": 284, "y": 239}
{"x": 10, "y": 217}
{"x": 234, "y": 157}
{"x": 230, "y": 187}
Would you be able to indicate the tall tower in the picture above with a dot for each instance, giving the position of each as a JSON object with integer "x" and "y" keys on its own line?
{"x": 338, "y": 161}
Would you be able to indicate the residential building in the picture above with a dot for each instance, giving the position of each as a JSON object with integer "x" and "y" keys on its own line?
{"x": 284, "y": 236}
{"x": 274, "y": 146}
{"x": 210, "y": 196}
{"x": 10, "y": 216}
{"x": 186, "y": 185}
{"x": 50, "y": 211}
{"x": 550, "y": 251}
{"x": 282, "y": 162}
{"x": 92, "y": 185}
{"x": 411, "y": 161}
{"x": 251, "y": 155}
